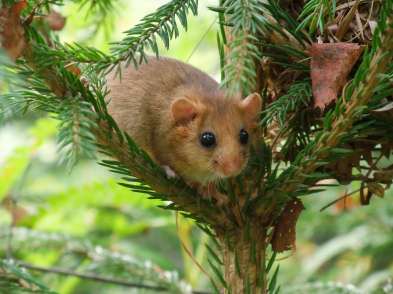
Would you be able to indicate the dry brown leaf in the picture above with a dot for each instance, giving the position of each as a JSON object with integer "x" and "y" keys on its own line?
{"x": 73, "y": 68}
{"x": 376, "y": 189}
{"x": 342, "y": 168}
{"x": 384, "y": 176}
{"x": 12, "y": 33}
{"x": 17, "y": 212}
{"x": 55, "y": 21}
{"x": 284, "y": 234}
{"x": 330, "y": 65}
{"x": 345, "y": 204}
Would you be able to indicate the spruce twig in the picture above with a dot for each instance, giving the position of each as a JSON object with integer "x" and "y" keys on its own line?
{"x": 96, "y": 278}
{"x": 162, "y": 24}
{"x": 124, "y": 149}
{"x": 348, "y": 110}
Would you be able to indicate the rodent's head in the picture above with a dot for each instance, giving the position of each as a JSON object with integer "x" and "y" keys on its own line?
{"x": 212, "y": 137}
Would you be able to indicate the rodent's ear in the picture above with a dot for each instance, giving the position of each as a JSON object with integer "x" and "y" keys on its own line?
{"x": 183, "y": 110}
{"x": 251, "y": 106}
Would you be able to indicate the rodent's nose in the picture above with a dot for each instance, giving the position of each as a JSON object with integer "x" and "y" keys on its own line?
{"x": 231, "y": 166}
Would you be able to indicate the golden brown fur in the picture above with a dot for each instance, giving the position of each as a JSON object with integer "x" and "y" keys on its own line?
{"x": 165, "y": 105}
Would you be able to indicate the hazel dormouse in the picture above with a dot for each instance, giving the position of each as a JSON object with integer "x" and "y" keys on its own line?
{"x": 183, "y": 120}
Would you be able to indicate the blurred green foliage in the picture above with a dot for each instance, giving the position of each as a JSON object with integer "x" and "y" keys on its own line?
{"x": 80, "y": 219}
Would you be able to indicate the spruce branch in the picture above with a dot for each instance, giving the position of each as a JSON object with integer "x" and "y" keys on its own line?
{"x": 298, "y": 96}
{"x": 254, "y": 23}
{"x": 87, "y": 276}
{"x": 52, "y": 85}
{"x": 163, "y": 24}
{"x": 284, "y": 28}
{"x": 100, "y": 6}
{"x": 315, "y": 15}
{"x": 105, "y": 265}
{"x": 75, "y": 116}
{"x": 338, "y": 122}
{"x": 134, "y": 162}
{"x": 102, "y": 12}
{"x": 75, "y": 137}
{"x": 16, "y": 280}
{"x": 70, "y": 54}
{"x": 288, "y": 115}
{"x": 247, "y": 20}
{"x": 9, "y": 82}
{"x": 97, "y": 278}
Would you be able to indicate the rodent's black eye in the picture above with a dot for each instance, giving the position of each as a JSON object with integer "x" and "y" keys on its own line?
{"x": 243, "y": 136}
{"x": 208, "y": 139}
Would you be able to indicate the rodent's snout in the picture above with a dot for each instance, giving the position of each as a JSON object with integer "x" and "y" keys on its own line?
{"x": 228, "y": 166}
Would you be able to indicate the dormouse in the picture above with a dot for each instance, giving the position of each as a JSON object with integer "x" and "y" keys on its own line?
{"x": 183, "y": 120}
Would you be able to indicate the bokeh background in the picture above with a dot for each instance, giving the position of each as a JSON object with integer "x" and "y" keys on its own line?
{"x": 80, "y": 219}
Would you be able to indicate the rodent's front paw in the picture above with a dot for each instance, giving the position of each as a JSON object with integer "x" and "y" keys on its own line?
{"x": 210, "y": 192}
{"x": 169, "y": 172}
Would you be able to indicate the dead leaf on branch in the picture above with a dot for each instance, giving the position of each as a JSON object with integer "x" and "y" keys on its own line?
{"x": 12, "y": 33}
{"x": 55, "y": 21}
{"x": 284, "y": 233}
{"x": 331, "y": 64}
{"x": 345, "y": 204}
{"x": 17, "y": 212}
{"x": 73, "y": 68}
{"x": 384, "y": 176}
{"x": 342, "y": 168}
{"x": 376, "y": 189}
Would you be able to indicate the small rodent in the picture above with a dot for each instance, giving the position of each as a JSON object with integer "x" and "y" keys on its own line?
{"x": 183, "y": 120}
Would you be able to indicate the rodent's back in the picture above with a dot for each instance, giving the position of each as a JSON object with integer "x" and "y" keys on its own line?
{"x": 140, "y": 100}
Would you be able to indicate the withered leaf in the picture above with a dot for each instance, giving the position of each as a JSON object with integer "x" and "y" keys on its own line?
{"x": 17, "y": 212}
{"x": 284, "y": 233}
{"x": 376, "y": 189}
{"x": 55, "y": 21}
{"x": 12, "y": 33}
{"x": 345, "y": 204}
{"x": 72, "y": 68}
{"x": 342, "y": 168}
{"x": 330, "y": 65}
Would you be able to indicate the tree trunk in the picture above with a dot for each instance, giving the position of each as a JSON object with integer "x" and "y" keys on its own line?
{"x": 244, "y": 261}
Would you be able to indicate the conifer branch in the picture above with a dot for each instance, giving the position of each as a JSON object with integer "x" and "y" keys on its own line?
{"x": 15, "y": 280}
{"x": 139, "y": 165}
{"x": 163, "y": 24}
{"x": 75, "y": 137}
{"x": 253, "y": 23}
{"x": 71, "y": 53}
{"x": 298, "y": 96}
{"x": 102, "y": 13}
{"x": 91, "y": 277}
{"x": 97, "y": 278}
{"x": 100, "y": 262}
{"x": 315, "y": 15}
{"x": 247, "y": 20}
{"x": 338, "y": 123}
{"x": 63, "y": 86}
